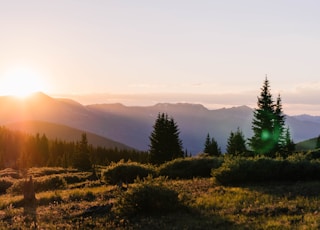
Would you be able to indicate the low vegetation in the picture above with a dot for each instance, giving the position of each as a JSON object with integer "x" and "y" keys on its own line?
{"x": 263, "y": 170}
{"x": 188, "y": 168}
{"x": 126, "y": 172}
{"x": 232, "y": 198}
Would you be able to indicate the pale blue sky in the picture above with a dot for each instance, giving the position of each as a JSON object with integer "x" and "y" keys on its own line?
{"x": 165, "y": 47}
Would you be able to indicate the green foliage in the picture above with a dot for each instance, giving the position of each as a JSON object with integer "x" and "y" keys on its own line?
{"x": 147, "y": 198}
{"x": 237, "y": 144}
{"x": 126, "y": 172}
{"x": 261, "y": 170}
{"x": 190, "y": 167}
{"x": 211, "y": 147}
{"x": 165, "y": 144}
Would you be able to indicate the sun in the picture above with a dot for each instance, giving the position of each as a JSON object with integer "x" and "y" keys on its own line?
{"x": 21, "y": 82}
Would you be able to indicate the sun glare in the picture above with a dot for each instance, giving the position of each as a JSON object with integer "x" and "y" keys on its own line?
{"x": 21, "y": 82}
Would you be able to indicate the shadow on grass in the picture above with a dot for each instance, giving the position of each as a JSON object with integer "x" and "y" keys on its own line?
{"x": 186, "y": 218}
{"x": 287, "y": 189}
{"x": 30, "y": 214}
{"x": 183, "y": 220}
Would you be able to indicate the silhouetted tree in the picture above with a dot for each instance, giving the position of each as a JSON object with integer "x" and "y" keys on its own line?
{"x": 279, "y": 133}
{"x": 289, "y": 145}
{"x": 82, "y": 159}
{"x": 211, "y": 146}
{"x": 318, "y": 142}
{"x": 237, "y": 144}
{"x": 165, "y": 144}
{"x": 268, "y": 124}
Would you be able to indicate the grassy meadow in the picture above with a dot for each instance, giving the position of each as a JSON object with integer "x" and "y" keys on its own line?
{"x": 70, "y": 199}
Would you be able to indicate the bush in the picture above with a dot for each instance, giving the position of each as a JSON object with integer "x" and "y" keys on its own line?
{"x": 41, "y": 184}
{"x": 52, "y": 199}
{"x": 312, "y": 155}
{"x": 5, "y": 183}
{"x": 78, "y": 196}
{"x": 126, "y": 172}
{"x": 46, "y": 171}
{"x": 259, "y": 170}
{"x": 8, "y": 172}
{"x": 190, "y": 167}
{"x": 147, "y": 199}
{"x": 76, "y": 177}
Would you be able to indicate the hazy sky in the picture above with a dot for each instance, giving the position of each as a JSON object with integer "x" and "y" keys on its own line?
{"x": 213, "y": 52}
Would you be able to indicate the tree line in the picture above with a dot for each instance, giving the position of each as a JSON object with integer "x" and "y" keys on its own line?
{"x": 19, "y": 150}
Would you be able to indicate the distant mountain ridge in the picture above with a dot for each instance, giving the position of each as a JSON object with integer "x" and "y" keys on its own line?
{"x": 132, "y": 125}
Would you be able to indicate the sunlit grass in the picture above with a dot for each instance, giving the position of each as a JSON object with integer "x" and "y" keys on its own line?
{"x": 204, "y": 205}
{"x": 249, "y": 207}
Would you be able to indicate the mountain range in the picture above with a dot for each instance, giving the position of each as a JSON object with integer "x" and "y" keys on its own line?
{"x": 130, "y": 126}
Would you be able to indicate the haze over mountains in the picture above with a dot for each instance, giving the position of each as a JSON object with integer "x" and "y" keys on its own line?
{"x": 132, "y": 125}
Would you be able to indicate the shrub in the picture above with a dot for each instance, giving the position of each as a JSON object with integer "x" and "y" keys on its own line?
{"x": 126, "y": 172}
{"x": 78, "y": 196}
{"x": 5, "y": 183}
{"x": 41, "y": 184}
{"x": 147, "y": 199}
{"x": 46, "y": 171}
{"x": 76, "y": 177}
{"x": 256, "y": 170}
{"x": 53, "y": 198}
{"x": 315, "y": 154}
{"x": 8, "y": 172}
{"x": 190, "y": 167}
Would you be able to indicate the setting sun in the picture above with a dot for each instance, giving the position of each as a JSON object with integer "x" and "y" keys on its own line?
{"x": 21, "y": 82}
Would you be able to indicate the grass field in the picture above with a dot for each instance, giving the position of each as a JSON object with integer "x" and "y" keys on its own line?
{"x": 87, "y": 204}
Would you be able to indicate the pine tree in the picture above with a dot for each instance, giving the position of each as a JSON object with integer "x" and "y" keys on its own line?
{"x": 207, "y": 144}
{"x": 237, "y": 144}
{"x": 289, "y": 145}
{"x": 318, "y": 142}
{"x": 268, "y": 124}
{"x": 82, "y": 159}
{"x": 211, "y": 147}
{"x": 279, "y": 127}
{"x": 165, "y": 144}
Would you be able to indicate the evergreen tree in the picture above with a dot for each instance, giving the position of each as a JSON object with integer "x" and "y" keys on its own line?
{"x": 82, "y": 159}
{"x": 267, "y": 124}
{"x": 207, "y": 144}
{"x": 279, "y": 127}
{"x": 165, "y": 144}
{"x": 289, "y": 145}
{"x": 237, "y": 144}
{"x": 211, "y": 147}
{"x": 318, "y": 142}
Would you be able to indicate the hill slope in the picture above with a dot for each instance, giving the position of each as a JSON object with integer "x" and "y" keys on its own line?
{"x": 62, "y": 132}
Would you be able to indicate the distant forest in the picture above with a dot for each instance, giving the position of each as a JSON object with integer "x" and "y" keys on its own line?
{"x": 20, "y": 150}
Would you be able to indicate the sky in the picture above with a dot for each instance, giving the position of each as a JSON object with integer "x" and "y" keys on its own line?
{"x": 212, "y": 52}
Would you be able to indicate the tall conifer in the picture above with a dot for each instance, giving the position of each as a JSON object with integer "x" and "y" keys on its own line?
{"x": 165, "y": 144}
{"x": 268, "y": 124}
